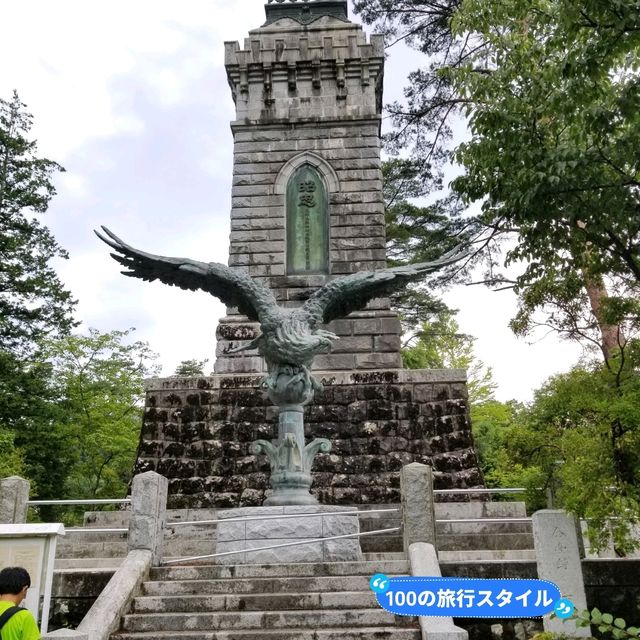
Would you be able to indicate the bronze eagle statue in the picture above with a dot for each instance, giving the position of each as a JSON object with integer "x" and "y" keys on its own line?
{"x": 290, "y": 337}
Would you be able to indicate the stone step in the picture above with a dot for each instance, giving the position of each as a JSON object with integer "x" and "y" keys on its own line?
{"x": 479, "y": 555}
{"x": 88, "y": 563}
{"x": 310, "y": 619}
{"x": 79, "y": 549}
{"x": 172, "y": 548}
{"x": 121, "y": 518}
{"x": 490, "y": 569}
{"x": 257, "y": 585}
{"x": 485, "y": 541}
{"x": 336, "y": 633}
{"x": 210, "y": 571}
{"x": 391, "y": 556}
{"x": 256, "y": 602}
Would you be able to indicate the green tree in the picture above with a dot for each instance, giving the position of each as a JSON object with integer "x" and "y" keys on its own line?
{"x": 33, "y": 301}
{"x": 414, "y": 234}
{"x": 440, "y": 345}
{"x": 99, "y": 382}
{"x": 553, "y": 154}
{"x": 11, "y": 458}
{"x": 564, "y": 441}
{"x": 552, "y": 159}
{"x": 191, "y": 368}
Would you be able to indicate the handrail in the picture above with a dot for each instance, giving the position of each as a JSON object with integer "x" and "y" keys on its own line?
{"x": 486, "y": 520}
{"x": 492, "y": 490}
{"x": 283, "y": 517}
{"x": 42, "y": 503}
{"x": 281, "y": 546}
{"x": 96, "y": 530}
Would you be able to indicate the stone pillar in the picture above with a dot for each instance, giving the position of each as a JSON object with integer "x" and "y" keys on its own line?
{"x": 14, "y": 494}
{"x": 555, "y": 536}
{"x": 418, "y": 515}
{"x": 148, "y": 513}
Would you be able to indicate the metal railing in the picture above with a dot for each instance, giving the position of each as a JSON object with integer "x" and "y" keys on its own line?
{"x": 353, "y": 512}
{"x": 71, "y": 503}
{"x": 480, "y": 491}
{"x": 485, "y": 520}
{"x": 282, "y": 546}
{"x": 83, "y": 502}
{"x": 281, "y": 517}
{"x": 94, "y": 530}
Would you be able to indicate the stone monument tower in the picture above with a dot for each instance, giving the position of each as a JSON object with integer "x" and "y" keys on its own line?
{"x": 307, "y": 182}
{"x": 307, "y": 206}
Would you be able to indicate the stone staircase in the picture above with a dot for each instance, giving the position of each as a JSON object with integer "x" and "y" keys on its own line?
{"x": 306, "y": 601}
{"x": 457, "y": 542}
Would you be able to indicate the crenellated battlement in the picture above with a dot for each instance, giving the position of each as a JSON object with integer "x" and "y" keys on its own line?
{"x": 330, "y": 70}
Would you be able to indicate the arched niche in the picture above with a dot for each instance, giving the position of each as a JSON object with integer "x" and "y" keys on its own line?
{"x": 327, "y": 172}
{"x": 307, "y": 222}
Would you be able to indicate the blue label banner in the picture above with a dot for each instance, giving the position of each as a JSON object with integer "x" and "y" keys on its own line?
{"x": 465, "y": 597}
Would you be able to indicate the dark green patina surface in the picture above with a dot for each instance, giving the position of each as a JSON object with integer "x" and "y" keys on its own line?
{"x": 307, "y": 223}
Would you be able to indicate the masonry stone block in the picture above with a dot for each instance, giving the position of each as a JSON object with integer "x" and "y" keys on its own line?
{"x": 14, "y": 494}
{"x": 418, "y": 514}
{"x": 148, "y": 513}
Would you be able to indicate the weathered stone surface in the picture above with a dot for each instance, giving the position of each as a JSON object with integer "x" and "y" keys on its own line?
{"x": 148, "y": 513}
{"x": 555, "y": 535}
{"x": 377, "y": 420}
{"x": 314, "y": 523}
{"x": 14, "y": 494}
{"x": 423, "y": 561}
{"x": 104, "y": 616}
{"x": 67, "y": 634}
{"x": 418, "y": 513}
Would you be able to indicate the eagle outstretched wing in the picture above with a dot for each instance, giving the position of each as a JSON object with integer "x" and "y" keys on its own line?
{"x": 342, "y": 296}
{"x": 234, "y": 288}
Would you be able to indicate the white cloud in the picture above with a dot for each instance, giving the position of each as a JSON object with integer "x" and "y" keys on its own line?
{"x": 132, "y": 98}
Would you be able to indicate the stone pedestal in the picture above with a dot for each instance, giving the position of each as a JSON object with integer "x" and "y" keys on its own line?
{"x": 314, "y": 523}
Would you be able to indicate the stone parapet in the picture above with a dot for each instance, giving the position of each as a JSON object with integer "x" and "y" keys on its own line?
{"x": 198, "y": 431}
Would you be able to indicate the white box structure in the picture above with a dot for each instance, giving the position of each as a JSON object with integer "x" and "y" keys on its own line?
{"x": 33, "y": 547}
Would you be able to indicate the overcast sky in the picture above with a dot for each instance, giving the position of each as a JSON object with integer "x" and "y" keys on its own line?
{"x": 132, "y": 99}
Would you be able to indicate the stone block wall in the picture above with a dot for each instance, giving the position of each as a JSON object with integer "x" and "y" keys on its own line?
{"x": 198, "y": 432}
{"x": 312, "y": 96}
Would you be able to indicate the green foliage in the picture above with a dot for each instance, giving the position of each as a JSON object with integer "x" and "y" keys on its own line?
{"x": 571, "y": 438}
{"x": 11, "y": 458}
{"x": 191, "y": 368}
{"x": 553, "y": 148}
{"x": 414, "y": 234}
{"x": 99, "y": 384}
{"x": 33, "y": 301}
{"x": 550, "y": 92}
{"x": 606, "y": 623}
{"x": 440, "y": 345}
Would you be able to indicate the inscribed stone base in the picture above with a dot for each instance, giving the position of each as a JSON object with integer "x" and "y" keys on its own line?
{"x": 263, "y": 532}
